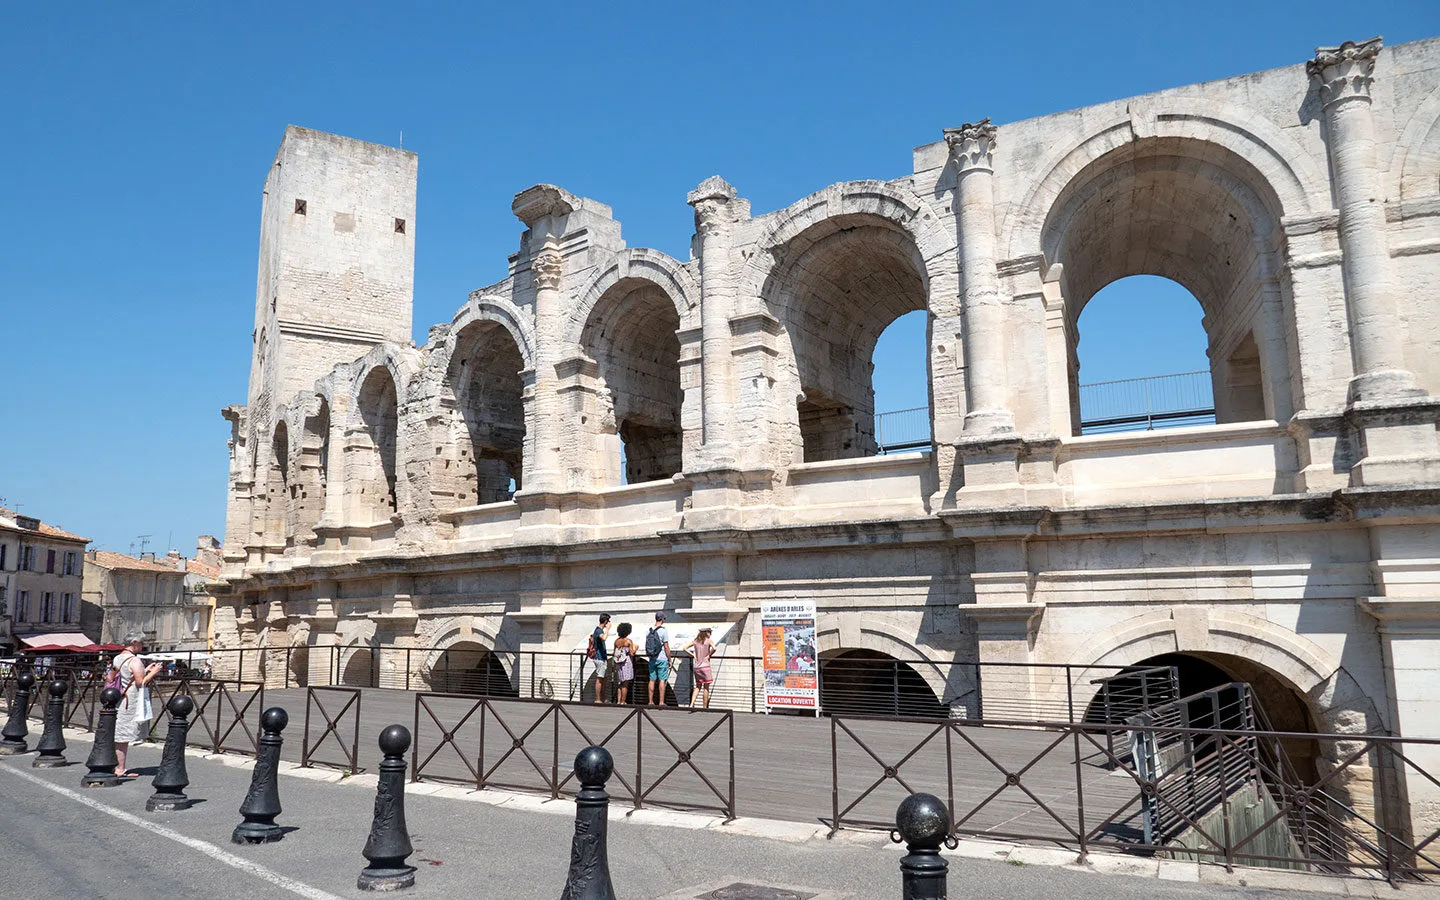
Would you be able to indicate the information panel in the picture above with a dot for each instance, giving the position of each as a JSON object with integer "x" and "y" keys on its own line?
{"x": 788, "y": 632}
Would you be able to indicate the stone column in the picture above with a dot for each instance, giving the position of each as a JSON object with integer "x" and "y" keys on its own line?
{"x": 973, "y": 146}
{"x": 1345, "y": 74}
{"x": 714, "y": 230}
{"x": 548, "y": 268}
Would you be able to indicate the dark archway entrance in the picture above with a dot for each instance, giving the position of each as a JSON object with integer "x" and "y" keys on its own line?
{"x": 871, "y": 683}
{"x": 470, "y": 668}
{"x": 1280, "y": 706}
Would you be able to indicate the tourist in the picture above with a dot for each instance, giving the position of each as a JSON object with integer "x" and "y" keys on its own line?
{"x": 624, "y": 662}
{"x": 701, "y": 651}
{"x": 597, "y": 658}
{"x": 132, "y": 720}
{"x": 657, "y": 648}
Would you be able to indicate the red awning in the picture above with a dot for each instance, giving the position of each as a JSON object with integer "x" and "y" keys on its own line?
{"x": 60, "y": 640}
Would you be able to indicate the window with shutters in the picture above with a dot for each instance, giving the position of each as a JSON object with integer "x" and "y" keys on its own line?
{"x": 3, "y": 548}
{"x": 49, "y": 562}
{"x": 67, "y": 603}
{"x": 47, "y": 601}
{"x": 27, "y": 558}
{"x": 70, "y": 562}
{"x": 22, "y": 603}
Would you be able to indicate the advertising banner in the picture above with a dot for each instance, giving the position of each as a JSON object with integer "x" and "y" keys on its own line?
{"x": 791, "y": 671}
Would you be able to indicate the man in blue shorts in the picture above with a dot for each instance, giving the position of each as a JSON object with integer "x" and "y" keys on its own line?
{"x": 657, "y": 648}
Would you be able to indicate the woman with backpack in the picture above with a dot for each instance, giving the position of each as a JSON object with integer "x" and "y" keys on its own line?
{"x": 624, "y": 663}
{"x": 132, "y": 719}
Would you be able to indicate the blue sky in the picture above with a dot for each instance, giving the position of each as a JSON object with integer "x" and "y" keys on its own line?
{"x": 138, "y": 136}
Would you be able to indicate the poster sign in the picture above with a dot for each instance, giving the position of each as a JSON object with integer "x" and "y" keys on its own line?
{"x": 788, "y": 632}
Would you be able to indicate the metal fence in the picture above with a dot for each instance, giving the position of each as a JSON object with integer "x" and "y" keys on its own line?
{"x": 341, "y": 724}
{"x": 902, "y": 429}
{"x": 853, "y": 682}
{"x": 676, "y": 758}
{"x": 1185, "y": 398}
{"x": 1221, "y": 795}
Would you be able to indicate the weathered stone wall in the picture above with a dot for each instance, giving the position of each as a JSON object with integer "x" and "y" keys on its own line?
{"x": 471, "y": 491}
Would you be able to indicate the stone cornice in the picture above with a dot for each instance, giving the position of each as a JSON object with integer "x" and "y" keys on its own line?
{"x": 542, "y": 200}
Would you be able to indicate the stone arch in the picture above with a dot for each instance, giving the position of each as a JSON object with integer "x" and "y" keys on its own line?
{"x": 377, "y": 450}
{"x": 1337, "y": 703}
{"x": 934, "y": 244}
{"x": 837, "y": 286}
{"x": 1299, "y": 183}
{"x": 952, "y": 684}
{"x": 670, "y": 277}
{"x": 312, "y": 467}
{"x": 484, "y": 307}
{"x": 1198, "y": 214}
{"x": 1415, "y": 166}
{"x": 625, "y": 388}
{"x": 468, "y": 636}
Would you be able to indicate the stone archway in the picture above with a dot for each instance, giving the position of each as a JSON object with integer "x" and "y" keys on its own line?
{"x": 841, "y": 283}
{"x": 469, "y": 667}
{"x": 871, "y": 683}
{"x": 359, "y": 669}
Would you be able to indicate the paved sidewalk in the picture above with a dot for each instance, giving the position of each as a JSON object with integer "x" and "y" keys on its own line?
{"x": 61, "y": 841}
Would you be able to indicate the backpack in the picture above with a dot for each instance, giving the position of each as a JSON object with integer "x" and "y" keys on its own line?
{"x": 590, "y": 648}
{"x": 653, "y": 646}
{"x": 112, "y": 677}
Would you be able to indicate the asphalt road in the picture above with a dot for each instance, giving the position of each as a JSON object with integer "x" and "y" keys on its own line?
{"x": 60, "y": 841}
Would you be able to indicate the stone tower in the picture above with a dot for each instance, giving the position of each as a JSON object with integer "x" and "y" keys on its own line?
{"x": 337, "y": 260}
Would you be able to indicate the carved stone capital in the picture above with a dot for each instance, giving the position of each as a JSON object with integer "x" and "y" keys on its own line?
{"x": 711, "y": 199}
{"x": 973, "y": 145}
{"x": 1346, "y": 71}
{"x": 548, "y": 268}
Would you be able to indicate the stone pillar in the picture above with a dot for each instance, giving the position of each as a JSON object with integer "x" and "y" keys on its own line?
{"x": 714, "y": 231}
{"x": 1345, "y": 74}
{"x": 548, "y": 269}
{"x": 973, "y": 146}
{"x": 1410, "y": 642}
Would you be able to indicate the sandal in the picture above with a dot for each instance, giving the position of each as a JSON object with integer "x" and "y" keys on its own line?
{"x": 130, "y": 774}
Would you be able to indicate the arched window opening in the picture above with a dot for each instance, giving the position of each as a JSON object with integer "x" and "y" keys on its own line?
{"x": 632, "y": 335}
{"x": 278, "y": 484}
{"x": 1141, "y": 358}
{"x": 471, "y": 668}
{"x": 844, "y": 282}
{"x": 380, "y": 415}
{"x": 486, "y": 387}
{"x": 1202, "y": 217}
{"x": 870, "y": 683}
{"x": 307, "y": 492}
{"x": 902, "y": 396}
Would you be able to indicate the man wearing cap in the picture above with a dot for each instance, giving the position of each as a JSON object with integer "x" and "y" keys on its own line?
{"x": 657, "y": 647}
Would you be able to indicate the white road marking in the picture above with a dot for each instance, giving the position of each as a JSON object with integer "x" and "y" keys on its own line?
{"x": 210, "y": 850}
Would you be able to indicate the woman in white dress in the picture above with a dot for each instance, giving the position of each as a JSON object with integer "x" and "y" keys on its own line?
{"x": 132, "y": 717}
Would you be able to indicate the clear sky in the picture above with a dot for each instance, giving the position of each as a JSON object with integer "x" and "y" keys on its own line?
{"x": 138, "y": 136}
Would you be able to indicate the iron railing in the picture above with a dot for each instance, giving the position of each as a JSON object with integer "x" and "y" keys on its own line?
{"x": 528, "y": 745}
{"x": 1185, "y": 398}
{"x": 343, "y": 708}
{"x": 1227, "y": 797}
{"x": 852, "y": 683}
{"x": 902, "y": 429}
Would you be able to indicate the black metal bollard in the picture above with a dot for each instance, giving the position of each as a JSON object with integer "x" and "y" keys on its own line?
{"x": 52, "y": 739}
{"x": 262, "y": 803}
{"x": 589, "y": 877}
{"x": 12, "y": 737}
{"x": 923, "y": 824}
{"x": 170, "y": 781}
{"x": 389, "y": 841}
{"x": 102, "y": 760}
